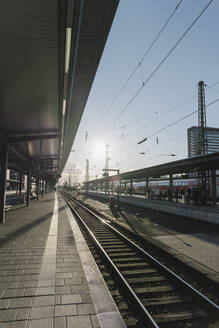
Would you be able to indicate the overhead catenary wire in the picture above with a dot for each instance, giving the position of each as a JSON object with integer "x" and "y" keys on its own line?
{"x": 180, "y": 119}
{"x": 159, "y": 65}
{"x": 139, "y": 63}
{"x": 172, "y": 109}
{"x": 170, "y": 125}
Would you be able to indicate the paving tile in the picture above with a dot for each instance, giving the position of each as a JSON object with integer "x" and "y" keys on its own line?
{"x": 60, "y": 322}
{"x": 21, "y": 302}
{"x": 4, "y": 303}
{"x": 14, "y": 324}
{"x": 8, "y": 285}
{"x": 86, "y": 309}
{"x": 75, "y": 281}
{"x": 79, "y": 322}
{"x": 41, "y": 323}
{"x": 64, "y": 275}
{"x": 60, "y": 282}
{"x": 57, "y": 299}
{"x": 46, "y": 283}
{"x": 62, "y": 290}
{"x": 23, "y": 314}
{"x": 79, "y": 289}
{"x": 43, "y": 300}
{"x": 29, "y": 291}
{"x": 27, "y": 284}
{"x": 42, "y": 312}
{"x": 65, "y": 310}
{"x": 13, "y": 292}
{"x": 2, "y": 291}
{"x": 34, "y": 277}
{"x": 86, "y": 298}
{"x": 45, "y": 291}
{"x": 8, "y": 315}
{"x": 70, "y": 299}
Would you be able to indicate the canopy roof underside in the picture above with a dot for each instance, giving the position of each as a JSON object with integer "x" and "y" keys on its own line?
{"x": 34, "y": 80}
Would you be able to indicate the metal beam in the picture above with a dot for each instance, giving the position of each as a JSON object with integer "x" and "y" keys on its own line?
{"x": 17, "y": 139}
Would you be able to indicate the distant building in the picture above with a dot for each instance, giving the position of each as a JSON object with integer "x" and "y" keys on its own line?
{"x": 193, "y": 141}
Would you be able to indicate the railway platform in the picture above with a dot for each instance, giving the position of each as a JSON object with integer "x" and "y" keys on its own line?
{"x": 190, "y": 243}
{"x": 48, "y": 277}
{"x": 205, "y": 213}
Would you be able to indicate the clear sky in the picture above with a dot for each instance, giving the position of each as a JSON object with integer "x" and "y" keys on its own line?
{"x": 163, "y": 100}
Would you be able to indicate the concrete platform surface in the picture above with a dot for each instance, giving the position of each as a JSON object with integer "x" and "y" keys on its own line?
{"x": 206, "y": 213}
{"x": 184, "y": 239}
{"x": 48, "y": 277}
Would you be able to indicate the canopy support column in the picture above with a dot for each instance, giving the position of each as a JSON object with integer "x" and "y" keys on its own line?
{"x": 213, "y": 186}
{"x": 3, "y": 179}
{"x": 131, "y": 187}
{"x": 20, "y": 183}
{"x": 28, "y": 187}
{"x": 43, "y": 189}
{"x": 171, "y": 187}
{"x": 37, "y": 188}
{"x": 146, "y": 187}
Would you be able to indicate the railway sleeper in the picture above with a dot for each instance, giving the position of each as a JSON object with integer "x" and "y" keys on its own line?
{"x": 134, "y": 265}
{"x": 164, "y": 301}
{"x": 118, "y": 250}
{"x": 136, "y": 273}
{"x": 128, "y": 260}
{"x": 153, "y": 290}
{"x": 131, "y": 322}
{"x": 125, "y": 253}
{"x": 139, "y": 282}
{"x": 171, "y": 308}
{"x": 148, "y": 279}
{"x": 126, "y": 267}
{"x": 180, "y": 316}
{"x": 114, "y": 248}
{"x": 107, "y": 243}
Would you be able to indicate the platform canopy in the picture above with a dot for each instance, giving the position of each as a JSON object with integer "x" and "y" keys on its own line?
{"x": 50, "y": 51}
{"x": 186, "y": 165}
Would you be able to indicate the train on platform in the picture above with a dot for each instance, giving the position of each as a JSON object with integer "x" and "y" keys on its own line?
{"x": 159, "y": 187}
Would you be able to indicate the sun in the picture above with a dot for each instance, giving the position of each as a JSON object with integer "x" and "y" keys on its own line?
{"x": 99, "y": 148}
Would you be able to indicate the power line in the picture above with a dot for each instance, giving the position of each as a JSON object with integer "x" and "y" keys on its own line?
{"x": 140, "y": 62}
{"x": 160, "y": 64}
{"x": 172, "y": 124}
{"x": 167, "y": 112}
{"x": 181, "y": 119}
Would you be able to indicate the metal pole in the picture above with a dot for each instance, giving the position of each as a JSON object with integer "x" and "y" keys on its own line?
{"x": 213, "y": 186}
{"x": 3, "y": 179}
{"x": 146, "y": 187}
{"x": 171, "y": 187}
{"x": 20, "y": 183}
{"x": 37, "y": 188}
{"x": 131, "y": 187}
{"x": 28, "y": 187}
{"x": 42, "y": 188}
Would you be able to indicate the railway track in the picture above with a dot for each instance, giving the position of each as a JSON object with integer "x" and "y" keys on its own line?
{"x": 147, "y": 293}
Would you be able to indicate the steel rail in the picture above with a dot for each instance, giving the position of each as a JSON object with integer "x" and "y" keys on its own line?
{"x": 213, "y": 308}
{"x": 133, "y": 298}
{"x": 141, "y": 312}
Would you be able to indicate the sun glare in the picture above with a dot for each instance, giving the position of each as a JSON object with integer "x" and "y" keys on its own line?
{"x": 99, "y": 148}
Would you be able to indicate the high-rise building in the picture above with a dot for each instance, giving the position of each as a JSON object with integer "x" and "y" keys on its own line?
{"x": 194, "y": 142}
